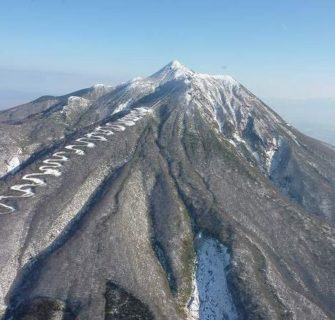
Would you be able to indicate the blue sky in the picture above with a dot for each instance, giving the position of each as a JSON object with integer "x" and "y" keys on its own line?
{"x": 283, "y": 51}
{"x": 277, "y": 48}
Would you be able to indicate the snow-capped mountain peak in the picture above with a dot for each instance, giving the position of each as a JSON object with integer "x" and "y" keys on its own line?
{"x": 172, "y": 71}
{"x": 177, "y": 66}
{"x": 138, "y": 189}
{"x": 177, "y": 71}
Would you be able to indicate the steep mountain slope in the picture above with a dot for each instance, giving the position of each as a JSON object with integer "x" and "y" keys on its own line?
{"x": 177, "y": 196}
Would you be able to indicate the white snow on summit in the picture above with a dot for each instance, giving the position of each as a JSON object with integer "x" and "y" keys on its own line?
{"x": 241, "y": 118}
{"x": 172, "y": 71}
{"x": 177, "y": 71}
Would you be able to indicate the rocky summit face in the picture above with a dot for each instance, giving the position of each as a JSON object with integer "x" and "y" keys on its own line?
{"x": 177, "y": 196}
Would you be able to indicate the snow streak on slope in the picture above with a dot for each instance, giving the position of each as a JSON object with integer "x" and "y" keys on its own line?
{"x": 13, "y": 164}
{"x": 211, "y": 298}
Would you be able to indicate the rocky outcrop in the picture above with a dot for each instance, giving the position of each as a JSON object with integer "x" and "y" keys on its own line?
{"x": 43, "y": 308}
{"x": 122, "y": 305}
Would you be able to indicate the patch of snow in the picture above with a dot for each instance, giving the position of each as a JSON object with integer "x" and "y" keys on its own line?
{"x": 13, "y": 163}
{"x": 269, "y": 155}
{"x": 98, "y": 85}
{"x": 194, "y": 303}
{"x": 74, "y": 105}
{"x": 98, "y": 90}
{"x": 122, "y": 106}
{"x": 270, "y": 152}
{"x": 232, "y": 142}
{"x": 226, "y": 79}
{"x": 237, "y": 137}
{"x": 211, "y": 298}
{"x": 101, "y": 88}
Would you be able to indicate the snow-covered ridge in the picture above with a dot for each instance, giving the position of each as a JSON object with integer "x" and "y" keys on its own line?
{"x": 101, "y": 85}
{"x": 101, "y": 88}
{"x": 75, "y": 105}
{"x": 174, "y": 71}
{"x": 245, "y": 121}
{"x": 177, "y": 71}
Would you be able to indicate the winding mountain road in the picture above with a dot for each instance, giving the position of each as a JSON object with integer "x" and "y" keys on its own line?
{"x": 52, "y": 166}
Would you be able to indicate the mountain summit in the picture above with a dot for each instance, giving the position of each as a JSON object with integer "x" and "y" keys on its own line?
{"x": 176, "y": 196}
{"x": 177, "y": 71}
